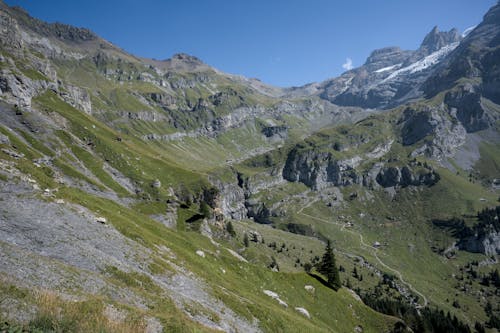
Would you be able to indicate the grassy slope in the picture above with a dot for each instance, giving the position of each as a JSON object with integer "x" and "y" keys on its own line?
{"x": 183, "y": 163}
{"x": 401, "y": 223}
{"x": 240, "y": 287}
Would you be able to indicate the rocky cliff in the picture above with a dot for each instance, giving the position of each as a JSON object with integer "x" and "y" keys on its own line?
{"x": 488, "y": 244}
{"x": 477, "y": 57}
{"x": 318, "y": 170}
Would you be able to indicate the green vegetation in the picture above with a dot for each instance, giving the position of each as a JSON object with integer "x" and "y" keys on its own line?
{"x": 328, "y": 267}
{"x": 488, "y": 166}
{"x": 120, "y": 163}
{"x": 133, "y": 279}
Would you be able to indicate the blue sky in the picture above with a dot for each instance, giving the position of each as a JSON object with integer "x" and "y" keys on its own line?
{"x": 281, "y": 42}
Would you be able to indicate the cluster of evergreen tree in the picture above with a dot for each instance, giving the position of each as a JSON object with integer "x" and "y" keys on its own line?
{"x": 488, "y": 221}
{"x": 494, "y": 319}
{"x": 426, "y": 321}
{"x": 493, "y": 278}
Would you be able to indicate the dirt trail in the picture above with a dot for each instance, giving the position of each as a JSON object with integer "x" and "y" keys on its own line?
{"x": 373, "y": 250}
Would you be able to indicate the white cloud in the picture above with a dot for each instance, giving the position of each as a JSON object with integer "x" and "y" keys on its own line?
{"x": 348, "y": 64}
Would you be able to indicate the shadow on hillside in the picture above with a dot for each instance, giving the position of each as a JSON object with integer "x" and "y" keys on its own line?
{"x": 321, "y": 280}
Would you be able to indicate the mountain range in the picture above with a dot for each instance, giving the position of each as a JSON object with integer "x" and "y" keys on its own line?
{"x": 166, "y": 195}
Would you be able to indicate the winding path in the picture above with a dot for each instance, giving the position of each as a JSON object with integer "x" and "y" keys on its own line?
{"x": 371, "y": 248}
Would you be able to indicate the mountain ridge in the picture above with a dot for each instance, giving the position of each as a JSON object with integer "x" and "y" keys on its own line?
{"x": 148, "y": 195}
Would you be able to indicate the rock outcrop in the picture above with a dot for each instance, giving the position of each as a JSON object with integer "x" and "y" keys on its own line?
{"x": 465, "y": 105}
{"x": 318, "y": 170}
{"x": 439, "y": 133}
{"x": 488, "y": 244}
{"x": 406, "y": 176}
{"x": 275, "y": 131}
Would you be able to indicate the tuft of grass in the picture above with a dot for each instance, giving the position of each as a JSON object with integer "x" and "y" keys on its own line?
{"x": 35, "y": 143}
{"x": 133, "y": 279}
{"x": 68, "y": 170}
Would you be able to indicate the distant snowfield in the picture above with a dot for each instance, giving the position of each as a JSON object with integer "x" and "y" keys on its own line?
{"x": 468, "y": 31}
{"x": 420, "y": 65}
{"x": 385, "y": 69}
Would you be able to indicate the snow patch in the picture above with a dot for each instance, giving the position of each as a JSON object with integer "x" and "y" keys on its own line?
{"x": 468, "y": 31}
{"x": 389, "y": 68}
{"x": 424, "y": 63}
{"x": 347, "y": 85}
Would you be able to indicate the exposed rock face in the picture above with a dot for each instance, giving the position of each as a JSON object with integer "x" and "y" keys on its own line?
{"x": 77, "y": 97}
{"x": 436, "y": 39}
{"x": 4, "y": 139}
{"x": 465, "y": 104}
{"x": 275, "y": 131}
{"x": 163, "y": 99}
{"x": 386, "y": 56}
{"x": 258, "y": 211}
{"x": 19, "y": 90}
{"x": 231, "y": 199}
{"x": 406, "y": 176}
{"x": 442, "y": 134}
{"x": 150, "y": 116}
{"x": 318, "y": 170}
{"x": 477, "y": 56}
{"x": 489, "y": 244}
{"x": 416, "y": 126}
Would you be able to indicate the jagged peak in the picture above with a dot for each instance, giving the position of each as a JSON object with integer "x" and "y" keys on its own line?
{"x": 436, "y": 39}
{"x": 377, "y": 54}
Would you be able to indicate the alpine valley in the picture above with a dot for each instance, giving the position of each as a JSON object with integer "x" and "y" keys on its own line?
{"x": 139, "y": 195}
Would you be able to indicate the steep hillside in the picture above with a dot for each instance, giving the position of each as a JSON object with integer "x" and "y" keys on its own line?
{"x": 378, "y": 186}
{"x": 165, "y": 195}
{"x": 108, "y": 217}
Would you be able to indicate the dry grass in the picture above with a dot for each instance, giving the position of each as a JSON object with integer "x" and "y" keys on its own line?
{"x": 58, "y": 315}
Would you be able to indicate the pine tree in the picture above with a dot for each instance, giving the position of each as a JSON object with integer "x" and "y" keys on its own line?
{"x": 495, "y": 278}
{"x": 355, "y": 273}
{"x": 230, "y": 229}
{"x": 328, "y": 267}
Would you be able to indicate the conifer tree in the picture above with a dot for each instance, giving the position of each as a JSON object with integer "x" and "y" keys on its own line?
{"x": 328, "y": 267}
{"x": 230, "y": 229}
